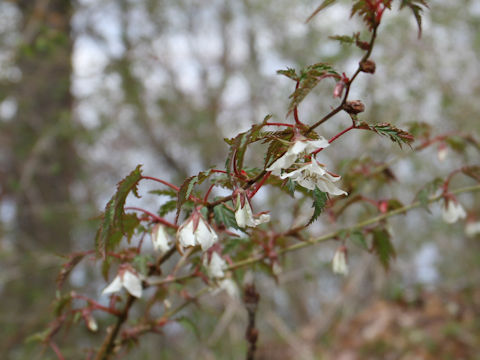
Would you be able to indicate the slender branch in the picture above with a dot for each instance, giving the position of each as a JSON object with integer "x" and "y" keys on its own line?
{"x": 176, "y": 188}
{"x": 153, "y": 216}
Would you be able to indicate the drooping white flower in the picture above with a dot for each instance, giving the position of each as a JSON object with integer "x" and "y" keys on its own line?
{"x": 244, "y": 214}
{"x": 128, "y": 279}
{"x": 339, "y": 262}
{"x": 196, "y": 231}
{"x": 442, "y": 152}
{"x": 311, "y": 175}
{"x": 299, "y": 147}
{"x": 472, "y": 228}
{"x": 160, "y": 238}
{"x": 229, "y": 286}
{"x": 452, "y": 211}
{"x": 215, "y": 267}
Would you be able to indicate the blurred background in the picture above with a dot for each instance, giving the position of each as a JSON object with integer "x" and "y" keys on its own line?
{"x": 91, "y": 88}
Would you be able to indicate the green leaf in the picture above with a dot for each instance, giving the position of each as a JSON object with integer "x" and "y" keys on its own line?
{"x": 344, "y": 39}
{"x": 322, "y": 6}
{"x": 416, "y": 7}
{"x": 166, "y": 192}
{"x": 290, "y": 73}
{"x": 319, "y": 201}
{"x": 396, "y": 135}
{"x": 358, "y": 239}
{"x": 167, "y": 207}
{"x": 427, "y": 191}
{"x": 187, "y": 187}
{"x": 472, "y": 171}
{"x": 113, "y": 215}
{"x": 140, "y": 262}
{"x": 309, "y": 78}
{"x": 290, "y": 185}
{"x": 383, "y": 247}
{"x": 225, "y": 216}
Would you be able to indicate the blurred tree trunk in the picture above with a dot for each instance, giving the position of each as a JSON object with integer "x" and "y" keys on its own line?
{"x": 42, "y": 164}
{"x": 45, "y": 161}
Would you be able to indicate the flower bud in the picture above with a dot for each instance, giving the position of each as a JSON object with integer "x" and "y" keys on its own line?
{"x": 338, "y": 90}
{"x": 339, "y": 262}
{"x": 368, "y": 66}
{"x": 354, "y": 107}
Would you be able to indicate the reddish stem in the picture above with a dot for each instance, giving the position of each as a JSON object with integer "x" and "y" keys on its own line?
{"x": 208, "y": 193}
{"x": 176, "y": 188}
{"x": 295, "y": 109}
{"x": 279, "y": 124}
{"x": 260, "y": 184}
{"x": 153, "y": 216}
{"x": 56, "y": 350}
{"x": 96, "y": 305}
{"x": 335, "y": 138}
{"x": 218, "y": 171}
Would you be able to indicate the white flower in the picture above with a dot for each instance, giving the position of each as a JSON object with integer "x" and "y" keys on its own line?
{"x": 311, "y": 175}
{"x": 452, "y": 211}
{"x": 339, "y": 262}
{"x": 293, "y": 153}
{"x": 244, "y": 215}
{"x": 160, "y": 239}
{"x": 442, "y": 152}
{"x": 215, "y": 266}
{"x": 472, "y": 228}
{"x": 196, "y": 231}
{"x": 229, "y": 286}
{"x": 129, "y": 280}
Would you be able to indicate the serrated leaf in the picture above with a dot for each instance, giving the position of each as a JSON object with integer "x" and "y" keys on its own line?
{"x": 427, "y": 191}
{"x": 290, "y": 73}
{"x": 416, "y": 7}
{"x": 366, "y": 9}
{"x": 166, "y": 192}
{"x": 344, "y": 39}
{"x": 67, "y": 268}
{"x": 225, "y": 216}
{"x": 167, "y": 207}
{"x": 358, "y": 239}
{"x": 472, "y": 171}
{"x": 113, "y": 215}
{"x": 383, "y": 247}
{"x": 396, "y": 135}
{"x": 290, "y": 185}
{"x": 319, "y": 201}
{"x": 187, "y": 188}
{"x": 309, "y": 78}
{"x": 322, "y": 6}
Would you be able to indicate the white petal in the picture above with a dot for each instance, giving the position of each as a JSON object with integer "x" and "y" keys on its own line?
{"x": 229, "y": 286}
{"x": 185, "y": 235}
{"x": 160, "y": 239}
{"x": 216, "y": 266}
{"x": 204, "y": 235}
{"x": 472, "y": 229}
{"x": 339, "y": 263}
{"x": 240, "y": 214}
{"x": 284, "y": 162}
{"x": 132, "y": 283}
{"x": 114, "y": 286}
{"x": 263, "y": 218}
{"x": 298, "y": 147}
{"x": 452, "y": 212}
{"x": 316, "y": 144}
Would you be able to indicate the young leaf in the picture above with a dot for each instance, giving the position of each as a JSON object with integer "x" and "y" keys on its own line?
{"x": 113, "y": 215}
{"x": 358, "y": 239}
{"x": 322, "y": 6}
{"x": 225, "y": 216}
{"x": 187, "y": 187}
{"x": 319, "y": 201}
{"x": 398, "y": 136}
{"x": 416, "y": 7}
{"x": 383, "y": 247}
{"x": 428, "y": 190}
{"x": 309, "y": 78}
{"x": 167, "y": 207}
{"x": 290, "y": 73}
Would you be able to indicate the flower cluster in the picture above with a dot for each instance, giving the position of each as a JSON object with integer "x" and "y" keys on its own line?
{"x": 310, "y": 174}
{"x": 196, "y": 231}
